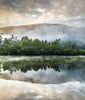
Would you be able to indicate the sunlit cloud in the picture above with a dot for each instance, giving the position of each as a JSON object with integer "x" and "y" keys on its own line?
{"x": 40, "y": 10}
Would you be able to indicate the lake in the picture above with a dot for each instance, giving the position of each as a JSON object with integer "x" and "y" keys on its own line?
{"x": 42, "y": 78}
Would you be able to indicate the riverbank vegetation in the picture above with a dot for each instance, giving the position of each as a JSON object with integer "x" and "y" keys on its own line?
{"x": 26, "y": 46}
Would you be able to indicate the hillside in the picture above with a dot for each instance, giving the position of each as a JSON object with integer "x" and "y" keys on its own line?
{"x": 46, "y": 32}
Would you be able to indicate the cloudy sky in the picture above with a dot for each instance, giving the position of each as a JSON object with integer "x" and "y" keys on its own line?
{"x": 22, "y": 12}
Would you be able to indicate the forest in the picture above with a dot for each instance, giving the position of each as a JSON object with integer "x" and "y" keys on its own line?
{"x": 26, "y": 46}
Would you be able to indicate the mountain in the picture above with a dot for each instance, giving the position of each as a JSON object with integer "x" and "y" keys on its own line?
{"x": 48, "y": 32}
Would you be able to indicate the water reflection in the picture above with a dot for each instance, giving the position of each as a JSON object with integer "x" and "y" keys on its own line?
{"x": 35, "y": 65}
{"x": 15, "y": 90}
{"x": 48, "y": 70}
{"x": 56, "y": 63}
{"x": 42, "y": 78}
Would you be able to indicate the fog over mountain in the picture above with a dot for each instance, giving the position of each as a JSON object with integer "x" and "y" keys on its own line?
{"x": 53, "y": 19}
{"x": 48, "y": 32}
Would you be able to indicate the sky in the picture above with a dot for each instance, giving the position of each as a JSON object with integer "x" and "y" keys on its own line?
{"x": 24, "y": 12}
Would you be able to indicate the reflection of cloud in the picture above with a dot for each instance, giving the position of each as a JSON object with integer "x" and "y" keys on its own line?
{"x": 34, "y": 16}
{"x": 16, "y": 90}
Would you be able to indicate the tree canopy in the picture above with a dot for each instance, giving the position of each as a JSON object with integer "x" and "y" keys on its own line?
{"x": 26, "y": 46}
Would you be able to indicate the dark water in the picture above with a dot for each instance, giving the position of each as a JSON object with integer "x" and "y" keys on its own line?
{"x": 42, "y": 78}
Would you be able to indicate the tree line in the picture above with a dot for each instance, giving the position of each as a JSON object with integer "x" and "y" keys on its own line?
{"x": 26, "y": 46}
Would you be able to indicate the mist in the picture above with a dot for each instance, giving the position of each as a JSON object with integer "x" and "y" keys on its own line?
{"x": 44, "y": 20}
{"x": 49, "y": 32}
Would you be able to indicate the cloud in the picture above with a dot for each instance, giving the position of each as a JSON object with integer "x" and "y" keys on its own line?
{"x": 70, "y": 7}
{"x": 38, "y": 11}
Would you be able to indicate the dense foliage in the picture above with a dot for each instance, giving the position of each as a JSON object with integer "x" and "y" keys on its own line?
{"x": 26, "y": 46}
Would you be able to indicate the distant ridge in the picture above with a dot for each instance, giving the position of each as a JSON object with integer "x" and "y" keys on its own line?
{"x": 46, "y": 32}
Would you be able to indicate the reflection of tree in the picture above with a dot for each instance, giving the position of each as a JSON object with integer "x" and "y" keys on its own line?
{"x": 43, "y": 64}
{"x": 25, "y": 65}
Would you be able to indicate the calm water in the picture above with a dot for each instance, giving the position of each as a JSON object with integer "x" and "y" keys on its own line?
{"x": 42, "y": 78}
